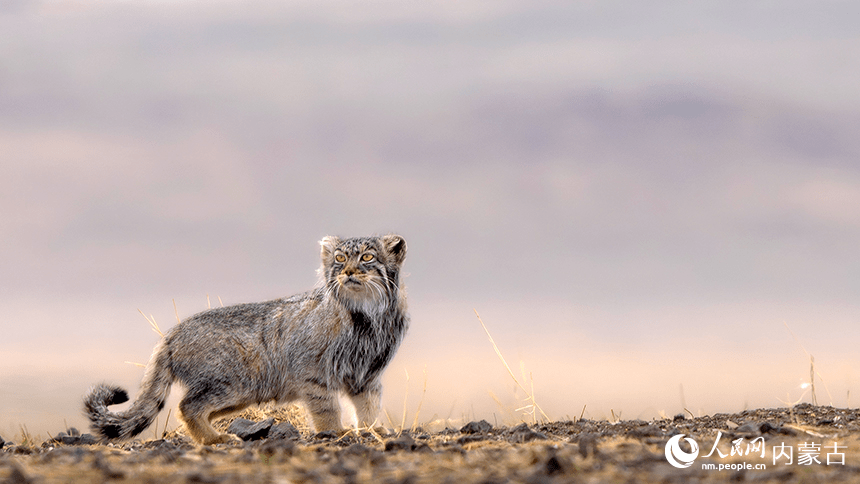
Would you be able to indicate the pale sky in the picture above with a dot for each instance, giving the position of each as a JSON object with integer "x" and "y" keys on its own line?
{"x": 643, "y": 200}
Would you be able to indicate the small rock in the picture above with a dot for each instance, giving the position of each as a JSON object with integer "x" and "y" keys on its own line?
{"x": 465, "y": 439}
{"x": 522, "y": 433}
{"x": 67, "y": 439}
{"x": 326, "y": 435}
{"x": 476, "y": 427}
{"x": 2, "y": 442}
{"x": 422, "y": 447}
{"x": 803, "y": 408}
{"x": 249, "y": 430}
{"x": 73, "y": 432}
{"x": 284, "y": 430}
{"x": 404, "y": 442}
{"x": 755, "y": 428}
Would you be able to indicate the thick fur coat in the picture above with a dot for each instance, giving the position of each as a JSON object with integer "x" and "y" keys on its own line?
{"x": 337, "y": 338}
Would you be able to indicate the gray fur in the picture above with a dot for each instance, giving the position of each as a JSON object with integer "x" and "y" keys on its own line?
{"x": 336, "y": 338}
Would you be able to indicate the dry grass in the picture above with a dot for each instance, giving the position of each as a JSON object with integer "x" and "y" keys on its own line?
{"x": 812, "y": 373}
{"x": 532, "y": 408}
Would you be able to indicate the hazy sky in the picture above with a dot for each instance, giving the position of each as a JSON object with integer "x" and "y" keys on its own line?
{"x": 639, "y": 198}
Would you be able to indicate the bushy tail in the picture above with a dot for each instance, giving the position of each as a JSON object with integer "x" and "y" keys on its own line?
{"x": 124, "y": 425}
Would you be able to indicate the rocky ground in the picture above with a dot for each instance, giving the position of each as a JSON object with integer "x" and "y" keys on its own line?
{"x": 753, "y": 445}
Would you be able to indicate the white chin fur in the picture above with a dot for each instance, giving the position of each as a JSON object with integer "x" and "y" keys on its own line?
{"x": 361, "y": 300}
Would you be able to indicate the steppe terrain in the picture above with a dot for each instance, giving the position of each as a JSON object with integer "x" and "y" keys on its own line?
{"x": 753, "y": 445}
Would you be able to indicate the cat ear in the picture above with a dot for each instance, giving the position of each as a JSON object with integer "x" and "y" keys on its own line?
{"x": 327, "y": 246}
{"x": 395, "y": 245}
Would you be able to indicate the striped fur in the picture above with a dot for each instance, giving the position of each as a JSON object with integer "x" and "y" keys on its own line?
{"x": 336, "y": 338}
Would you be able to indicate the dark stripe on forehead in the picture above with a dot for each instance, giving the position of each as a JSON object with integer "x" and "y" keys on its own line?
{"x": 359, "y": 244}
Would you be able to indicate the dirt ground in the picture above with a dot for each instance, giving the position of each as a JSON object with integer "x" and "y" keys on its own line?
{"x": 753, "y": 445}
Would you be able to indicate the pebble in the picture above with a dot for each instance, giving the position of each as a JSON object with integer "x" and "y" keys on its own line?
{"x": 284, "y": 430}
{"x": 470, "y": 438}
{"x": 249, "y": 430}
{"x": 326, "y": 435}
{"x": 522, "y": 433}
{"x": 755, "y": 428}
{"x": 480, "y": 427}
{"x": 73, "y": 437}
{"x": 404, "y": 442}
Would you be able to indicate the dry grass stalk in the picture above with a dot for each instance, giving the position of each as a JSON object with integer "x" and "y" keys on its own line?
{"x": 166, "y": 422}
{"x": 423, "y": 393}
{"x": 405, "y": 398}
{"x": 532, "y": 408}
{"x": 152, "y": 323}
{"x": 388, "y": 417}
{"x": 812, "y": 379}
{"x": 812, "y": 372}
{"x": 176, "y": 312}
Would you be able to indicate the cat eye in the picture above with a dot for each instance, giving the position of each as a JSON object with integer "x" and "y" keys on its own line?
{"x": 340, "y": 258}
{"x": 367, "y": 257}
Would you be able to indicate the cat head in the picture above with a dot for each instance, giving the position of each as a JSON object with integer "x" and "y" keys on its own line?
{"x": 363, "y": 273}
